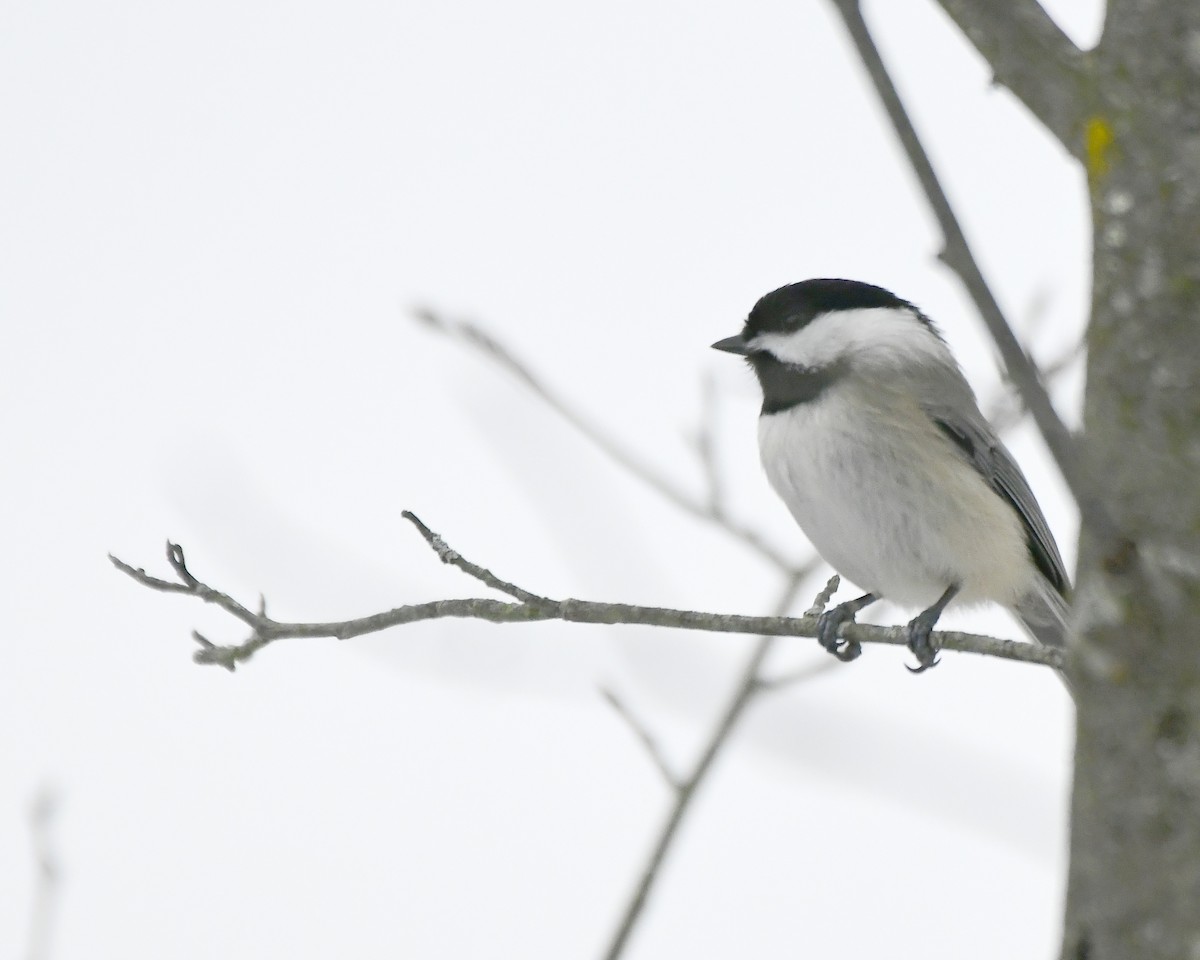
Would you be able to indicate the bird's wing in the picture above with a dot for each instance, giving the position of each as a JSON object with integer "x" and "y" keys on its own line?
{"x": 981, "y": 447}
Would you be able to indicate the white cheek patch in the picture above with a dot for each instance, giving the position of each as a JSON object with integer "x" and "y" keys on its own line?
{"x": 884, "y": 334}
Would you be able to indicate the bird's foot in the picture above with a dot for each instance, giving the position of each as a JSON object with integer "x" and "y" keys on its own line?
{"x": 921, "y": 642}
{"x": 828, "y": 625}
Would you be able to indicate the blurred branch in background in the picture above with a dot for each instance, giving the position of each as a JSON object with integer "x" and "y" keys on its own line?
{"x": 751, "y": 684}
{"x": 1006, "y": 410}
{"x": 645, "y": 737}
{"x": 957, "y": 255}
{"x": 48, "y": 874}
{"x": 708, "y": 509}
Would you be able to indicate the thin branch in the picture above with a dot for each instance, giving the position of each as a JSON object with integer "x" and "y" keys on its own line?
{"x": 456, "y": 559}
{"x": 957, "y": 255}
{"x": 265, "y": 630}
{"x": 645, "y": 737}
{"x": 821, "y": 600}
{"x": 704, "y": 509}
{"x": 1029, "y": 54}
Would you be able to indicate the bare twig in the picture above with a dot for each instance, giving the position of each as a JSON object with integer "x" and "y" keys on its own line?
{"x": 645, "y": 737}
{"x": 1030, "y": 55}
{"x": 456, "y": 559}
{"x": 821, "y": 600}
{"x": 700, "y": 508}
{"x": 265, "y": 630}
{"x": 957, "y": 255}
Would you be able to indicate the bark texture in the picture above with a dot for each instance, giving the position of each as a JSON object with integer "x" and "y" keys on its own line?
{"x": 1134, "y": 885}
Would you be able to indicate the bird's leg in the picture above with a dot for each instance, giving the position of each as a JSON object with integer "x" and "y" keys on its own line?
{"x": 830, "y": 622}
{"x": 920, "y": 628}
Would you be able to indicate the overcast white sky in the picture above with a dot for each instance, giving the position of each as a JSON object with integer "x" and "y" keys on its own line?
{"x": 214, "y": 220}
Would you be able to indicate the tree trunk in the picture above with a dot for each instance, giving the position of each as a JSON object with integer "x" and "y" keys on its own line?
{"x": 1134, "y": 885}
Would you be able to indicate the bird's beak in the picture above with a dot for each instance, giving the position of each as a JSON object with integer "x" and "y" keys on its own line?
{"x": 733, "y": 345}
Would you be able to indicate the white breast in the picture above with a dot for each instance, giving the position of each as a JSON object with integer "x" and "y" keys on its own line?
{"x": 887, "y": 501}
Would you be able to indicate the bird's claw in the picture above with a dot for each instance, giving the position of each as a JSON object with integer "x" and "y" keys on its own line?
{"x": 828, "y": 625}
{"x": 921, "y": 642}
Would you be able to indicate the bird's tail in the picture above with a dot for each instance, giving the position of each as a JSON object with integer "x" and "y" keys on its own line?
{"x": 1043, "y": 612}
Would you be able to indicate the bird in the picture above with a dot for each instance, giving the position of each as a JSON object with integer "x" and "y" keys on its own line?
{"x": 873, "y": 439}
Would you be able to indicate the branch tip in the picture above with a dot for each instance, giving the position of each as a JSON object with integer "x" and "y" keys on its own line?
{"x": 179, "y": 564}
{"x": 443, "y": 550}
{"x": 416, "y": 522}
{"x": 449, "y": 555}
{"x": 211, "y": 653}
{"x": 821, "y": 600}
{"x": 141, "y": 576}
{"x": 203, "y": 640}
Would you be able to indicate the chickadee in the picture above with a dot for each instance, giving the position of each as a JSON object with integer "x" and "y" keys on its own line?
{"x": 873, "y": 438}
